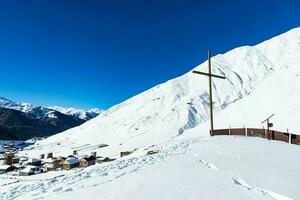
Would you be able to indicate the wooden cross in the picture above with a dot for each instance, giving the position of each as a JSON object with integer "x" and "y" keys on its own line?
{"x": 209, "y": 74}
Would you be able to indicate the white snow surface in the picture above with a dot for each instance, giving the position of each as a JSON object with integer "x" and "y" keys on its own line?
{"x": 72, "y": 160}
{"x": 172, "y": 117}
{"x": 187, "y": 167}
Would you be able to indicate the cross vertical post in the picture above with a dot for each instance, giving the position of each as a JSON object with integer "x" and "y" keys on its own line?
{"x": 210, "y": 75}
{"x": 210, "y": 94}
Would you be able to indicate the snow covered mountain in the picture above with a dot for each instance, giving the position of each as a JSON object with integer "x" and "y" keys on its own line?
{"x": 40, "y": 112}
{"x": 23, "y": 121}
{"x": 260, "y": 80}
{"x": 80, "y": 113}
{"x": 6, "y": 103}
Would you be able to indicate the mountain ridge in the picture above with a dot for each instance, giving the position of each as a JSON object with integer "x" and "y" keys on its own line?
{"x": 41, "y": 111}
{"x": 80, "y": 113}
{"x": 18, "y": 125}
{"x": 22, "y": 120}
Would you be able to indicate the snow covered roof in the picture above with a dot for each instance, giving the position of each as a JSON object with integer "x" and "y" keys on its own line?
{"x": 28, "y": 169}
{"x": 18, "y": 165}
{"x": 4, "y": 167}
{"x": 49, "y": 160}
{"x": 52, "y": 160}
{"x": 33, "y": 160}
{"x": 105, "y": 159}
{"x": 48, "y": 165}
{"x": 72, "y": 160}
{"x": 88, "y": 158}
{"x": 23, "y": 158}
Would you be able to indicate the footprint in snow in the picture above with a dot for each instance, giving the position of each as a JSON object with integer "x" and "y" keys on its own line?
{"x": 120, "y": 175}
{"x": 244, "y": 184}
{"x": 57, "y": 189}
{"x": 209, "y": 165}
{"x": 68, "y": 189}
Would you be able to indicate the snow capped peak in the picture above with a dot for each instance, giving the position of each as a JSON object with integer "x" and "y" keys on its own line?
{"x": 2, "y": 99}
{"x": 51, "y": 114}
{"x": 40, "y": 112}
{"x": 80, "y": 113}
{"x": 5, "y": 102}
{"x": 95, "y": 110}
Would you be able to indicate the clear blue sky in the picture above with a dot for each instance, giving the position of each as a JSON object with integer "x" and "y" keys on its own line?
{"x": 98, "y": 53}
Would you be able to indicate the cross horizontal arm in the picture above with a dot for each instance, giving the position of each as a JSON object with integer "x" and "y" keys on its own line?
{"x": 268, "y": 118}
{"x": 207, "y": 74}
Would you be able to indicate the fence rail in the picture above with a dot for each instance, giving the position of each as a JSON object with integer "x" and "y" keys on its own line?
{"x": 263, "y": 133}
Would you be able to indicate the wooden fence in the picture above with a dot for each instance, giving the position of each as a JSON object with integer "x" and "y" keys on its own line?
{"x": 263, "y": 133}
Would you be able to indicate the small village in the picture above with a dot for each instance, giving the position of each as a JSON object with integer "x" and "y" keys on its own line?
{"x": 27, "y": 166}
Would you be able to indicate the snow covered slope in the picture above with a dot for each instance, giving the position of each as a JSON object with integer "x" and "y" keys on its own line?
{"x": 260, "y": 80}
{"x": 218, "y": 168}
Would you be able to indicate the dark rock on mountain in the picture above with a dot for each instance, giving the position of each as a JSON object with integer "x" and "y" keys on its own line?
{"x": 17, "y": 125}
{"x": 5, "y": 134}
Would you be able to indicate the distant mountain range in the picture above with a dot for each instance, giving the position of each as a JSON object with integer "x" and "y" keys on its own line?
{"x": 21, "y": 121}
{"x": 79, "y": 113}
{"x": 39, "y": 111}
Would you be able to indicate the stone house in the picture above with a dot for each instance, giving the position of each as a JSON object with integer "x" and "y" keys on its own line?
{"x": 87, "y": 161}
{"x": 52, "y": 164}
{"x": 10, "y": 159}
{"x": 70, "y": 162}
{"x": 30, "y": 170}
{"x": 33, "y": 161}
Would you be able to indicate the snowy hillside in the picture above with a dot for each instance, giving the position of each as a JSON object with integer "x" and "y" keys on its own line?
{"x": 260, "y": 80}
{"x": 218, "y": 168}
{"x": 185, "y": 168}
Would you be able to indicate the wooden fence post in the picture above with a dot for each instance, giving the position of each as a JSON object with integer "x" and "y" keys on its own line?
{"x": 290, "y": 136}
{"x": 229, "y": 130}
{"x": 245, "y": 129}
